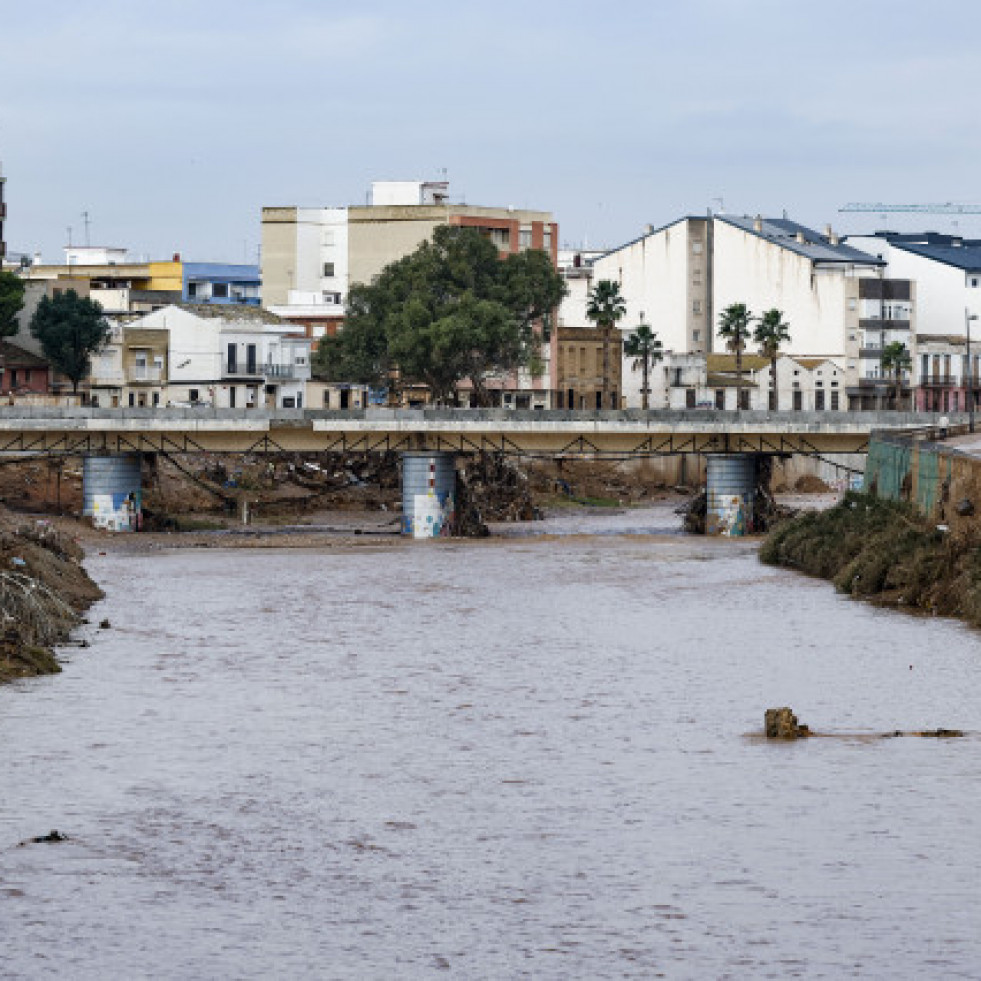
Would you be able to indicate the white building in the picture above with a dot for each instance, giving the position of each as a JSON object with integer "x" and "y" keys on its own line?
{"x": 945, "y": 268}
{"x": 835, "y": 297}
{"x": 231, "y": 357}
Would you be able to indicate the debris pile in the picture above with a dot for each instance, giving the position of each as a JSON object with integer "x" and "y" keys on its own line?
{"x": 496, "y": 489}
{"x": 781, "y": 723}
{"x": 43, "y": 589}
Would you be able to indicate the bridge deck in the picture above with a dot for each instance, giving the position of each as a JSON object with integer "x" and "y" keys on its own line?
{"x": 628, "y": 433}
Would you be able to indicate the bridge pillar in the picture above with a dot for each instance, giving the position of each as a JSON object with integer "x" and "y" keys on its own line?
{"x": 428, "y": 493}
{"x": 112, "y": 495}
{"x": 730, "y": 488}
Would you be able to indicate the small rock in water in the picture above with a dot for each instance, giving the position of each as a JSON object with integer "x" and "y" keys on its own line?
{"x": 104, "y": 624}
{"x": 781, "y": 723}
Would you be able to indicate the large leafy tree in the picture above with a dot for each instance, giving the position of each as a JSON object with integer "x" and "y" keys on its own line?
{"x": 646, "y": 350}
{"x": 70, "y": 328}
{"x": 734, "y": 327}
{"x": 453, "y": 310}
{"x": 11, "y": 302}
{"x": 605, "y": 306}
{"x": 895, "y": 360}
{"x": 770, "y": 333}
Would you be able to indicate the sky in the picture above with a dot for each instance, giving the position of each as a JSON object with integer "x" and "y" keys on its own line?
{"x": 173, "y": 124}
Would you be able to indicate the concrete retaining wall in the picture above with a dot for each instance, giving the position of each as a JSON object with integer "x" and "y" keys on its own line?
{"x": 936, "y": 477}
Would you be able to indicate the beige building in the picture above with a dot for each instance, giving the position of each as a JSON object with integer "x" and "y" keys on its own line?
{"x": 577, "y": 356}
{"x": 312, "y": 256}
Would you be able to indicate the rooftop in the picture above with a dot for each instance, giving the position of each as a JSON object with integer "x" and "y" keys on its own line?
{"x": 794, "y": 237}
{"x": 952, "y": 250}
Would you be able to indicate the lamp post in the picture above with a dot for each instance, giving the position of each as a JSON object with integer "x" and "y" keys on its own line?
{"x": 968, "y": 317}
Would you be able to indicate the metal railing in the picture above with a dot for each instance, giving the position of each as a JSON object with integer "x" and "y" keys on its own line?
{"x": 145, "y": 373}
{"x": 256, "y": 369}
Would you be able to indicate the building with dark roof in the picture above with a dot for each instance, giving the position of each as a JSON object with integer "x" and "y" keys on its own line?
{"x": 680, "y": 277}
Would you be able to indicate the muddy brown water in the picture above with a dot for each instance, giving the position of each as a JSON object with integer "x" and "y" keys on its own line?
{"x": 522, "y": 758}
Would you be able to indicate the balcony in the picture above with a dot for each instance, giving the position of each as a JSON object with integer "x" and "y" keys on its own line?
{"x": 247, "y": 369}
{"x": 939, "y": 381}
{"x": 874, "y": 323}
{"x": 145, "y": 373}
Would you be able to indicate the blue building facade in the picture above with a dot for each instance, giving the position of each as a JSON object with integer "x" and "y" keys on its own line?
{"x": 220, "y": 283}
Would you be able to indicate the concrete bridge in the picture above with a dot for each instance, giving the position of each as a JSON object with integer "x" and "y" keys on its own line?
{"x": 630, "y": 433}
{"x": 112, "y": 441}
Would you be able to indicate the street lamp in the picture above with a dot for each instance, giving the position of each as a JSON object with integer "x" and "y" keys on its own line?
{"x": 968, "y": 317}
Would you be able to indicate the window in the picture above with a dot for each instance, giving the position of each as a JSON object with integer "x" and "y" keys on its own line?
{"x": 192, "y": 290}
{"x": 192, "y": 395}
{"x": 695, "y": 335}
{"x": 547, "y": 238}
{"x": 819, "y": 400}
{"x": 696, "y": 248}
{"x": 524, "y": 238}
{"x": 231, "y": 397}
{"x": 696, "y": 307}
{"x": 219, "y": 290}
{"x": 27, "y": 376}
{"x": 250, "y": 359}
{"x": 331, "y": 297}
{"x": 328, "y": 269}
{"x": 975, "y": 280}
{"x": 834, "y": 402}
{"x": 232, "y": 358}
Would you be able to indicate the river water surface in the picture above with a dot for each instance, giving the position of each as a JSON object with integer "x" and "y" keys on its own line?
{"x": 522, "y": 758}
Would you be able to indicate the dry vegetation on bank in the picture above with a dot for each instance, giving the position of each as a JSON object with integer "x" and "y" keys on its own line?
{"x": 43, "y": 592}
{"x": 885, "y": 552}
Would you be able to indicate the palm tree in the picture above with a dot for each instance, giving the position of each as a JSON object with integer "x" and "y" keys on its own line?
{"x": 605, "y": 306}
{"x": 646, "y": 350}
{"x": 770, "y": 333}
{"x": 895, "y": 358}
{"x": 734, "y": 327}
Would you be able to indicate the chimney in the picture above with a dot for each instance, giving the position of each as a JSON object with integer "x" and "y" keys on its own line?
{"x": 177, "y": 257}
{"x": 800, "y": 238}
{"x": 827, "y": 232}
{"x": 834, "y": 239}
{"x": 758, "y": 224}
{"x": 648, "y": 229}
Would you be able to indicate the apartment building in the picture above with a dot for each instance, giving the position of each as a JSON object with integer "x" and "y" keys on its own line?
{"x": 835, "y": 297}
{"x": 312, "y": 256}
{"x": 577, "y": 357}
{"x": 229, "y": 357}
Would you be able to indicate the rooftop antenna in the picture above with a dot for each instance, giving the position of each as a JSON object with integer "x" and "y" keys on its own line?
{"x": 85, "y": 219}
{"x": 69, "y": 236}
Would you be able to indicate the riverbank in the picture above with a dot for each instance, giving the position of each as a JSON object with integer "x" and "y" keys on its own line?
{"x": 44, "y": 590}
{"x": 885, "y": 552}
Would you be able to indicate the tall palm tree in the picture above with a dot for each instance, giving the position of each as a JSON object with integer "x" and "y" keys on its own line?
{"x": 734, "y": 327}
{"x": 646, "y": 350}
{"x": 770, "y": 333}
{"x": 895, "y": 358}
{"x": 605, "y": 306}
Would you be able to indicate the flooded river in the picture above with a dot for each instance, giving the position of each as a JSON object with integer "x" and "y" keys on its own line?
{"x": 520, "y": 758}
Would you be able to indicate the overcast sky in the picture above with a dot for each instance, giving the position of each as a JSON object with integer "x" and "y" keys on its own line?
{"x": 173, "y": 124}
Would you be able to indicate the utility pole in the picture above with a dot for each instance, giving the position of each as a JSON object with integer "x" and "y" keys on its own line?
{"x": 968, "y": 317}
{"x": 85, "y": 220}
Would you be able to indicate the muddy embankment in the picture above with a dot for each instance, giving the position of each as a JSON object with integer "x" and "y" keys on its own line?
{"x": 885, "y": 552}
{"x": 44, "y": 590}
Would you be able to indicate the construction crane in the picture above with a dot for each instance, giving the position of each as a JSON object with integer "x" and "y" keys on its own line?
{"x": 915, "y": 209}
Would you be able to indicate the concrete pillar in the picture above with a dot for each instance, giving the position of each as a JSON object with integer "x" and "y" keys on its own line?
{"x": 112, "y": 494}
{"x": 428, "y": 493}
{"x": 730, "y": 486}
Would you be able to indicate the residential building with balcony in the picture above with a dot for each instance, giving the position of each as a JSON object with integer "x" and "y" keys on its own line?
{"x": 577, "y": 354}
{"x": 945, "y": 377}
{"x": 23, "y": 374}
{"x": 228, "y": 357}
{"x": 681, "y": 277}
{"x": 312, "y": 256}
